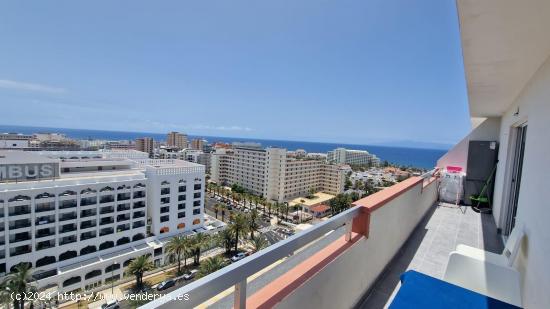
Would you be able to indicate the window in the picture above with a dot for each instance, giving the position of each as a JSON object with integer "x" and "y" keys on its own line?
{"x": 165, "y": 200}
{"x": 181, "y": 197}
{"x": 182, "y": 188}
{"x": 197, "y": 187}
{"x": 196, "y": 203}
{"x": 181, "y": 226}
{"x": 164, "y": 191}
{"x": 181, "y": 214}
{"x": 164, "y": 209}
{"x": 181, "y": 206}
{"x": 197, "y": 195}
{"x": 196, "y": 211}
{"x": 164, "y": 218}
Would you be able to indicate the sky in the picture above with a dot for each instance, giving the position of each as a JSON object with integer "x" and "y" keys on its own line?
{"x": 362, "y": 72}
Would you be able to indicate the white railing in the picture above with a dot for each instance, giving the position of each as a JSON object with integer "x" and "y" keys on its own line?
{"x": 237, "y": 273}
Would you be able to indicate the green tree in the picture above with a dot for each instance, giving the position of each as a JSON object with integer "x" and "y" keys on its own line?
{"x": 198, "y": 241}
{"x": 211, "y": 265}
{"x": 259, "y": 243}
{"x": 253, "y": 225}
{"x": 340, "y": 203}
{"x": 238, "y": 227}
{"x": 225, "y": 238}
{"x": 178, "y": 246}
{"x": 138, "y": 267}
{"x": 19, "y": 283}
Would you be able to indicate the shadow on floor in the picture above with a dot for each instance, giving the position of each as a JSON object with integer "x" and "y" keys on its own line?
{"x": 428, "y": 247}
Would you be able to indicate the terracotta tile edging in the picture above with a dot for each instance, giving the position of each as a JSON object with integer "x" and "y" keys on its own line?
{"x": 273, "y": 293}
{"x": 380, "y": 198}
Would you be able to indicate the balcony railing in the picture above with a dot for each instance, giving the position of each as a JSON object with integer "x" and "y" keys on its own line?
{"x": 407, "y": 202}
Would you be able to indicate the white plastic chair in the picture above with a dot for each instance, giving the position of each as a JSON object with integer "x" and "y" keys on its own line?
{"x": 508, "y": 255}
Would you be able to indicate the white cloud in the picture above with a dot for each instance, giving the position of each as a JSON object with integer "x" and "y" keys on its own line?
{"x": 10, "y": 84}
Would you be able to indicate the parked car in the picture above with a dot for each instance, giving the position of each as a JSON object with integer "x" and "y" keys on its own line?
{"x": 190, "y": 275}
{"x": 166, "y": 284}
{"x": 112, "y": 304}
{"x": 239, "y": 256}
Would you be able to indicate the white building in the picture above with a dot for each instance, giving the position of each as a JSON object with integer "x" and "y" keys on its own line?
{"x": 14, "y": 141}
{"x": 275, "y": 175}
{"x": 353, "y": 157}
{"x": 79, "y": 218}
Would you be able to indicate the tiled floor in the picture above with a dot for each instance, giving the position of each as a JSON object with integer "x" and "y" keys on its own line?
{"x": 428, "y": 248}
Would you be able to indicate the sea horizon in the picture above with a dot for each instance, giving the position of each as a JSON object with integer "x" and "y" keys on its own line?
{"x": 402, "y": 155}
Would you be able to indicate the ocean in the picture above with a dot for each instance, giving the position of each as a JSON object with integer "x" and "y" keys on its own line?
{"x": 417, "y": 157}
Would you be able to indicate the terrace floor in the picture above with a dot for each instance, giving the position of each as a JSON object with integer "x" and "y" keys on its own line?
{"x": 428, "y": 248}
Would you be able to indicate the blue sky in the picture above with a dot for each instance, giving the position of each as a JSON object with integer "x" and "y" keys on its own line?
{"x": 368, "y": 71}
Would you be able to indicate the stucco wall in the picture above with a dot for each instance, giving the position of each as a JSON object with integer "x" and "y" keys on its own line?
{"x": 532, "y": 105}
{"x": 343, "y": 282}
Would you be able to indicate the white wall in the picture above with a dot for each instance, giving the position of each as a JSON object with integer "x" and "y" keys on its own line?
{"x": 486, "y": 130}
{"x": 343, "y": 282}
{"x": 533, "y": 204}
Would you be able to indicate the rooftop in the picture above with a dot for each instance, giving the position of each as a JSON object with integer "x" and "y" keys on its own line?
{"x": 23, "y": 157}
{"x": 319, "y": 197}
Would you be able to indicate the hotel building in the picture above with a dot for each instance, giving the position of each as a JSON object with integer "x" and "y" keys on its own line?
{"x": 176, "y": 140}
{"x": 145, "y": 144}
{"x": 79, "y": 218}
{"x": 273, "y": 174}
{"x": 353, "y": 157}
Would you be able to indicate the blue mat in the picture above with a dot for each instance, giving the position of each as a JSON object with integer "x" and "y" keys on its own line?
{"x": 422, "y": 291}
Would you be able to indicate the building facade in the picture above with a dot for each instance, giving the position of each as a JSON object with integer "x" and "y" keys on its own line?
{"x": 273, "y": 174}
{"x": 352, "y": 157}
{"x": 177, "y": 140}
{"x": 80, "y": 220}
{"x": 145, "y": 144}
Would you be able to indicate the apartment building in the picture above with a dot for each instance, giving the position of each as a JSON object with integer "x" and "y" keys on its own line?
{"x": 145, "y": 144}
{"x": 353, "y": 157}
{"x": 273, "y": 174}
{"x": 79, "y": 218}
{"x": 198, "y": 144}
{"x": 177, "y": 140}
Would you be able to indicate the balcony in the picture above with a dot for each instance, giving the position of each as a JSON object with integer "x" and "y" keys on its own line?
{"x": 87, "y": 201}
{"x": 123, "y": 207}
{"x": 67, "y": 204}
{"x": 67, "y": 216}
{"x": 45, "y": 232}
{"x": 307, "y": 259}
{"x": 107, "y": 199}
{"x": 67, "y": 228}
{"x": 123, "y": 196}
{"x": 139, "y": 194}
{"x": 19, "y": 210}
{"x": 45, "y": 245}
{"x": 139, "y": 205}
{"x": 42, "y": 207}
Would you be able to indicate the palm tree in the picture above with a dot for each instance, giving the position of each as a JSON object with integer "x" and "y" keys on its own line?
{"x": 238, "y": 227}
{"x": 216, "y": 210}
{"x": 18, "y": 282}
{"x": 225, "y": 239}
{"x": 138, "y": 266}
{"x": 210, "y": 265}
{"x": 198, "y": 242}
{"x": 178, "y": 246}
{"x": 222, "y": 209}
{"x": 259, "y": 243}
{"x": 253, "y": 222}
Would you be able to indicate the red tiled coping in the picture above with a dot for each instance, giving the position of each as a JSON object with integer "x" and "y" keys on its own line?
{"x": 277, "y": 290}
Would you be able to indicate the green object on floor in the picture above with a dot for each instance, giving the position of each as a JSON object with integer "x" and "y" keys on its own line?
{"x": 483, "y": 197}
